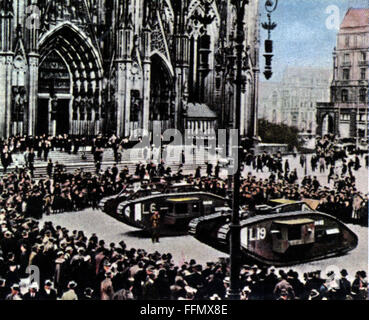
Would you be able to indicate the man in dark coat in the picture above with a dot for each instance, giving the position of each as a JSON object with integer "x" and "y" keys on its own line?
{"x": 209, "y": 169}
{"x": 196, "y": 279}
{"x": 217, "y": 169}
{"x": 6, "y": 160}
{"x": 47, "y": 292}
{"x": 49, "y": 168}
{"x": 162, "y": 285}
{"x": 215, "y": 285}
{"x": 344, "y": 286}
{"x": 198, "y": 173}
{"x": 32, "y": 294}
{"x": 149, "y": 290}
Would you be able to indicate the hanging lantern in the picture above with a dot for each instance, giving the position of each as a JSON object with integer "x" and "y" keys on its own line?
{"x": 270, "y": 6}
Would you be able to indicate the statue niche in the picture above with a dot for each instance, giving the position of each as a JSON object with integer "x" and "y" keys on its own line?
{"x": 135, "y": 109}
{"x": 19, "y": 103}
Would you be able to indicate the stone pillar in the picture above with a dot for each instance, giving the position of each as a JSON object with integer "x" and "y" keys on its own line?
{"x": 353, "y": 122}
{"x": 181, "y": 75}
{"x": 146, "y": 88}
{"x": 6, "y": 62}
{"x": 319, "y": 123}
{"x": 337, "y": 123}
{"x": 123, "y": 67}
{"x": 256, "y": 103}
{"x": 6, "y": 66}
{"x": 33, "y": 62}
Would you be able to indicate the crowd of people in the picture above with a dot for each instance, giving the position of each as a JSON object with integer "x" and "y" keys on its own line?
{"x": 38, "y": 147}
{"x": 343, "y": 200}
{"x": 73, "y": 266}
{"x": 63, "y": 191}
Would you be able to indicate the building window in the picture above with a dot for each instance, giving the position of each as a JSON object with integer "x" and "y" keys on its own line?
{"x": 346, "y": 74}
{"x": 363, "y": 74}
{"x": 344, "y": 95}
{"x": 347, "y": 41}
{"x": 346, "y": 57}
{"x": 363, "y": 56}
{"x": 362, "y": 94}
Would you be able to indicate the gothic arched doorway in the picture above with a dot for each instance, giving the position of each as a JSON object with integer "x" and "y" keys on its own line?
{"x": 54, "y": 95}
{"x": 70, "y": 83}
{"x": 161, "y": 95}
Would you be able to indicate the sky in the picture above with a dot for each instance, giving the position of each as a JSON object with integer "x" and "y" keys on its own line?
{"x": 306, "y": 32}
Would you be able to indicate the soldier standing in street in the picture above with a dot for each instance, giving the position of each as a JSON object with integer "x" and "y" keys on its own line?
{"x": 155, "y": 232}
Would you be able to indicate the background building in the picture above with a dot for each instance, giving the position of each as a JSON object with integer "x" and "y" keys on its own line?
{"x": 347, "y": 113}
{"x": 292, "y": 101}
{"x": 89, "y": 66}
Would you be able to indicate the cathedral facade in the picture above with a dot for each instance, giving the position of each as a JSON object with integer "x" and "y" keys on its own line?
{"x": 87, "y": 66}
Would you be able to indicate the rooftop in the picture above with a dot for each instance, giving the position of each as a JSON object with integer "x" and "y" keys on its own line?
{"x": 356, "y": 18}
{"x": 200, "y": 110}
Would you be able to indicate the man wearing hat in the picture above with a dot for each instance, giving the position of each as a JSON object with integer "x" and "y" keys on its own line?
{"x": 270, "y": 282}
{"x": 283, "y": 284}
{"x": 70, "y": 294}
{"x": 344, "y": 289}
{"x": 106, "y": 287}
{"x": 329, "y": 287}
{"x": 15, "y": 293}
{"x": 47, "y": 292}
{"x": 360, "y": 286}
{"x": 60, "y": 268}
{"x": 32, "y": 294}
{"x": 196, "y": 278}
{"x": 149, "y": 290}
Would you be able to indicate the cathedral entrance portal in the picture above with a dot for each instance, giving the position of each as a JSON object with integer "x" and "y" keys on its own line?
{"x": 161, "y": 112}
{"x": 54, "y": 96}
{"x": 70, "y": 83}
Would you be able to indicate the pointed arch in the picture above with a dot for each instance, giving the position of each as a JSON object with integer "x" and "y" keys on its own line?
{"x": 162, "y": 84}
{"x": 165, "y": 61}
{"x": 197, "y": 4}
{"x": 84, "y": 64}
{"x": 85, "y": 42}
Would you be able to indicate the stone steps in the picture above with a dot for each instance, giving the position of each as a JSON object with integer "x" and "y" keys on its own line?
{"x": 74, "y": 161}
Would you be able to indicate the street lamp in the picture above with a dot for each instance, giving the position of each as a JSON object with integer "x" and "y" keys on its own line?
{"x": 235, "y": 228}
{"x": 270, "y": 6}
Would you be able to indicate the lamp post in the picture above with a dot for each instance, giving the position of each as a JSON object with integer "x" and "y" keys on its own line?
{"x": 235, "y": 228}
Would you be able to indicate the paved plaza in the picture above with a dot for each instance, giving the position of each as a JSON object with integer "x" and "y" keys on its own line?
{"x": 184, "y": 248}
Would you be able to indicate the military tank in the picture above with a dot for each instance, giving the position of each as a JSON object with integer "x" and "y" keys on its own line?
{"x": 287, "y": 234}
{"x": 177, "y": 205}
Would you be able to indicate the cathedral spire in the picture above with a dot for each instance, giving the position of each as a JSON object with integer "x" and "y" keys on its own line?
{"x": 6, "y": 17}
